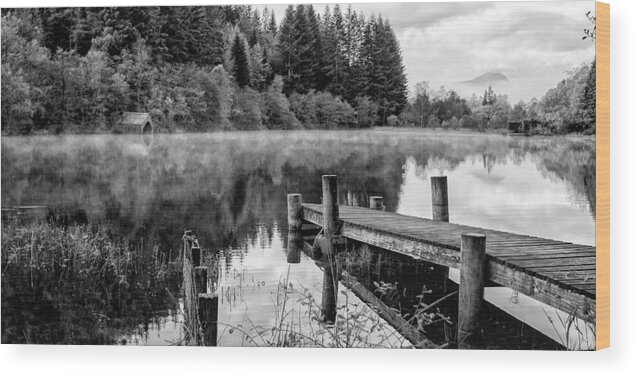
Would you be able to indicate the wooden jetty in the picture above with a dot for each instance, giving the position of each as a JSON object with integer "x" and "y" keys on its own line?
{"x": 559, "y": 274}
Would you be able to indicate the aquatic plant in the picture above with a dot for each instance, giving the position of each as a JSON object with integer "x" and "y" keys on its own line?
{"x": 78, "y": 284}
{"x": 578, "y": 334}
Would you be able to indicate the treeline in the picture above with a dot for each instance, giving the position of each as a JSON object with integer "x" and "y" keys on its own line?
{"x": 568, "y": 107}
{"x": 198, "y": 68}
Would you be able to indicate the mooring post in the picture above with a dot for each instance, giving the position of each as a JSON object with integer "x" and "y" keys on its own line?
{"x": 330, "y": 282}
{"x": 440, "y": 210}
{"x": 200, "y": 277}
{"x": 330, "y": 211}
{"x": 196, "y": 256}
{"x": 187, "y": 243}
{"x": 294, "y": 211}
{"x": 376, "y": 202}
{"x": 208, "y": 316}
{"x": 330, "y": 223}
{"x": 472, "y": 283}
{"x": 295, "y": 244}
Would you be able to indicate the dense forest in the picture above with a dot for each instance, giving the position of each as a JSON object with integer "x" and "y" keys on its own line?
{"x": 214, "y": 68}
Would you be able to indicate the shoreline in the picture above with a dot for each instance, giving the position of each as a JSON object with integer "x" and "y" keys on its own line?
{"x": 413, "y": 130}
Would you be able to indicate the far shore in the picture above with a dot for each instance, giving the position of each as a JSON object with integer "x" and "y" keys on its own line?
{"x": 414, "y": 130}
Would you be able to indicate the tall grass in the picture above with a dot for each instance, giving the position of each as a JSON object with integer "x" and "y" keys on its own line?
{"x": 77, "y": 284}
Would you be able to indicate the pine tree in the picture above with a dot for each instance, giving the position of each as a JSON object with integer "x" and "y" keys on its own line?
{"x": 241, "y": 64}
{"x": 272, "y": 27}
{"x": 287, "y": 47}
{"x": 382, "y": 67}
{"x": 335, "y": 63}
{"x": 314, "y": 51}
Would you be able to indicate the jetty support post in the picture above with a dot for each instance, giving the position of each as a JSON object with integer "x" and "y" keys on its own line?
{"x": 187, "y": 244}
{"x": 294, "y": 211}
{"x": 440, "y": 210}
{"x": 330, "y": 217}
{"x": 294, "y": 236}
{"x": 295, "y": 243}
{"x": 441, "y": 213}
{"x": 196, "y": 256}
{"x": 376, "y": 202}
{"x": 200, "y": 277}
{"x": 208, "y": 316}
{"x": 330, "y": 211}
{"x": 471, "y": 287}
{"x": 329, "y": 292}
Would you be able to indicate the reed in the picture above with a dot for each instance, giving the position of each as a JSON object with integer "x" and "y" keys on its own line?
{"x": 78, "y": 284}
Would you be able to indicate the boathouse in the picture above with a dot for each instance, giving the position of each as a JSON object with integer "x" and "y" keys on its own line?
{"x": 135, "y": 122}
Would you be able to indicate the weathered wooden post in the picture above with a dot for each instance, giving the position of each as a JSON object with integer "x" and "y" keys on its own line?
{"x": 200, "y": 277}
{"x": 330, "y": 211}
{"x": 187, "y": 243}
{"x": 440, "y": 210}
{"x": 330, "y": 223}
{"x": 376, "y": 202}
{"x": 295, "y": 244}
{"x": 472, "y": 284}
{"x": 208, "y": 316}
{"x": 330, "y": 282}
{"x": 294, "y": 211}
{"x": 196, "y": 256}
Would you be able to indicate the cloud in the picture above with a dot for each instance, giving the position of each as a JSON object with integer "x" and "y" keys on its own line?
{"x": 533, "y": 43}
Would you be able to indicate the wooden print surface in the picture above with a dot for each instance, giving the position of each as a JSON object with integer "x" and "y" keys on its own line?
{"x": 413, "y": 175}
{"x": 603, "y": 176}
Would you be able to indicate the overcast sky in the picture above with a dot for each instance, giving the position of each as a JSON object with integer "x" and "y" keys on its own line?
{"x": 532, "y": 43}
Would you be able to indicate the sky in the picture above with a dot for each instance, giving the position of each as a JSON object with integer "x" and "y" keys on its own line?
{"x": 534, "y": 44}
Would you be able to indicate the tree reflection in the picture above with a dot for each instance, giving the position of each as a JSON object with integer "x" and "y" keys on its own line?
{"x": 231, "y": 188}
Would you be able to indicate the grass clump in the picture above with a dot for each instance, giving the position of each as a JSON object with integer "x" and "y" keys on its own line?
{"x": 76, "y": 284}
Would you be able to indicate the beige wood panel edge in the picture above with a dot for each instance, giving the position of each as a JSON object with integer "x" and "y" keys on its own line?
{"x": 602, "y": 234}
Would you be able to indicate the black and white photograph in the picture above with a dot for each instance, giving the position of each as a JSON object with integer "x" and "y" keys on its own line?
{"x": 367, "y": 175}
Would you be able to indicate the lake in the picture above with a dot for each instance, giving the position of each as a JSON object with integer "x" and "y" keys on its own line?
{"x": 230, "y": 189}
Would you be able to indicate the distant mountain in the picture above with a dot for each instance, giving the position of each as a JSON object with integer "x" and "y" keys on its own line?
{"x": 490, "y": 78}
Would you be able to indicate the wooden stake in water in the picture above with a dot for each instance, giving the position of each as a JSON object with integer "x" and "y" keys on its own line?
{"x": 200, "y": 277}
{"x": 471, "y": 287}
{"x": 196, "y": 256}
{"x": 294, "y": 211}
{"x": 440, "y": 211}
{"x": 331, "y": 212}
{"x": 208, "y": 316}
{"x": 330, "y": 282}
{"x": 330, "y": 224}
{"x": 295, "y": 243}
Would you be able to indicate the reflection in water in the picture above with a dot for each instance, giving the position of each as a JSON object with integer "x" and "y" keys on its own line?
{"x": 231, "y": 189}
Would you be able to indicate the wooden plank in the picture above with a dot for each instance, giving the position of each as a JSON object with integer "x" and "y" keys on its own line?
{"x": 553, "y": 256}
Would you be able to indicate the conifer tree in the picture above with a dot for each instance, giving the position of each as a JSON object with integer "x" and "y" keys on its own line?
{"x": 287, "y": 47}
{"x": 241, "y": 63}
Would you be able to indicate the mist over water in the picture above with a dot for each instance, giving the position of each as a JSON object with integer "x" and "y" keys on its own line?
{"x": 230, "y": 188}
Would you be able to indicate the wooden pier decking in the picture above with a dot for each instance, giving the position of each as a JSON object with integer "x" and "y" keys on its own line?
{"x": 559, "y": 274}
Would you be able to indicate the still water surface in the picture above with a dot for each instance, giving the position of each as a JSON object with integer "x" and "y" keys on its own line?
{"x": 230, "y": 188}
